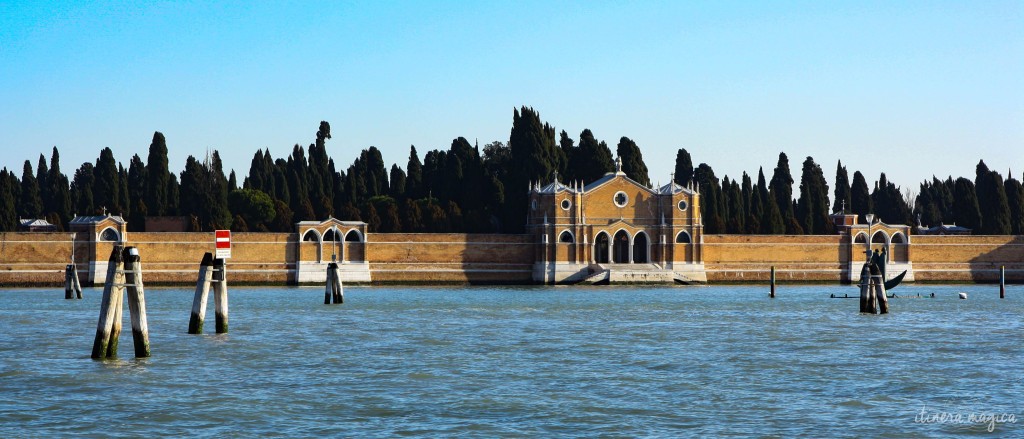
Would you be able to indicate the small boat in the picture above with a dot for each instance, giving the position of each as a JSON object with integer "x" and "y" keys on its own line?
{"x": 963, "y": 295}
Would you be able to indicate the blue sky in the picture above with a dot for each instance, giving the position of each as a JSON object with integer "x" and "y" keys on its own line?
{"x": 911, "y": 89}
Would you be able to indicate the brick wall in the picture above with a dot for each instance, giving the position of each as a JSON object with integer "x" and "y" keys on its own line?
{"x": 739, "y": 258}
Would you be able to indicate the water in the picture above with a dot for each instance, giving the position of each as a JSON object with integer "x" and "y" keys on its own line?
{"x": 521, "y": 361}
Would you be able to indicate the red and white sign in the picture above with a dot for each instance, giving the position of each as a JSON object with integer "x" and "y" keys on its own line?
{"x": 223, "y": 241}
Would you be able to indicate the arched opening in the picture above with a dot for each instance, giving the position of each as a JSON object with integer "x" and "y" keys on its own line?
{"x": 899, "y": 248}
{"x": 332, "y": 235}
{"x": 880, "y": 242}
{"x": 311, "y": 247}
{"x": 861, "y": 238}
{"x": 354, "y": 250}
{"x": 640, "y": 248}
{"x": 601, "y": 248}
{"x": 683, "y": 238}
{"x": 620, "y": 247}
{"x": 353, "y": 236}
{"x": 311, "y": 236}
{"x": 566, "y": 237}
{"x": 109, "y": 234}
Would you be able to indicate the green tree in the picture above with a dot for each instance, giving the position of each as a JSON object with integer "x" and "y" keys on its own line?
{"x": 534, "y": 156}
{"x": 965, "y": 205}
{"x": 684, "y": 168}
{"x": 9, "y": 188}
{"x": 254, "y": 206}
{"x": 753, "y": 207}
{"x": 107, "y": 191}
{"x": 992, "y": 201}
{"x": 136, "y": 190}
{"x": 632, "y": 161}
{"x": 860, "y": 198}
{"x": 81, "y": 190}
{"x": 712, "y": 202}
{"x": 889, "y": 204}
{"x": 60, "y": 193}
{"x": 31, "y": 205}
{"x": 771, "y": 222}
{"x": 813, "y": 209}
{"x": 592, "y": 159}
{"x": 397, "y": 189}
{"x": 158, "y": 177}
{"x": 843, "y": 200}
{"x": 414, "y": 178}
{"x": 1015, "y": 201}
{"x": 781, "y": 188}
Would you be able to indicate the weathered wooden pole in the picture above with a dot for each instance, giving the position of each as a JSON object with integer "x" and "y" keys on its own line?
{"x": 1002, "y": 282}
{"x": 772, "y": 294}
{"x": 108, "y": 312}
{"x": 69, "y": 284}
{"x": 339, "y": 293}
{"x": 136, "y": 301}
{"x": 220, "y": 295}
{"x": 883, "y": 301}
{"x": 865, "y": 290}
{"x": 75, "y": 283}
{"x": 329, "y": 288}
{"x": 195, "y": 323}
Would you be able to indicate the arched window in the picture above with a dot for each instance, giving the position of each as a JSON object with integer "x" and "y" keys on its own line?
{"x": 311, "y": 236}
{"x": 601, "y": 248}
{"x": 110, "y": 235}
{"x": 566, "y": 237}
{"x": 683, "y": 238}
{"x": 640, "y": 247}
{"x": 879, "y": 238}
{"x": 861, "y": 238}
{"x": 353, "y": 236}
{"x": 330, "y": 235}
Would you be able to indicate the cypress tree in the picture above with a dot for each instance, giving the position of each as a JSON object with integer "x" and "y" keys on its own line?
{"x": 219, "y": 214}
{"x": 159, "y": 176}
{"x": 1015, "y": 202}
{"x": 31, "y": 206}
{"x": 781, "y": 188}
{"x": 60, "y": 194}
{"x": 965, "y": 205}
{"x": 771, "y": 222}
{"x": 592, "y": 159}
{"x": 397, "y": 189}
{"x": 632, "y": 161}
{"x": 992, "y": 201}
{"x": 81, "y": 190}
{"x": 843, "y": 197}
{"x": 566, "y": 144}
{"x": 414, "y": 176}
{"x": 889, "y": 203}
{"x": 534, "y": 156}
{"x": 753, "y": 207}
{"x": 44, "y": 186}
{"x": 736, "y": 217}
{"x": 812, "y": 209}
{"x": 860, "y": 198}
{"x": 136, "y": 191}
{"x": 8, "y": 190}
{"x": 684, "y": 168}
{"x": 712, "y": 203}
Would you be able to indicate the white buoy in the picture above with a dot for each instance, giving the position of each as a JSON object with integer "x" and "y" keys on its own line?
{"x": 963, "y": 295}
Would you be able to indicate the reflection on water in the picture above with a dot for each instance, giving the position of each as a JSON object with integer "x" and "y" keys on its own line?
{"x": 521, "y": 361}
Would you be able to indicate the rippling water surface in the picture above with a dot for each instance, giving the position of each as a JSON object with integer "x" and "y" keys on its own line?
{"x": 521, "y": 361}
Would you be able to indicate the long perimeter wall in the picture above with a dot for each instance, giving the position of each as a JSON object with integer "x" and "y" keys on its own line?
{"x": 271, "y": 258}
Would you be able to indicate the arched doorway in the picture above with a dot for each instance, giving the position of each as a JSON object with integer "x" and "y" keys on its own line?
{"x": 880, "y": 242}
{"x": 601, "y": 246}
{"x": 899, "y": 248}
{"x": 640, "y": 247}
{"x": 620, "y": 246}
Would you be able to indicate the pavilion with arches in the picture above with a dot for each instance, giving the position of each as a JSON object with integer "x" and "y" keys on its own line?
{"x": 331, "y": 240}
{"x": 891, "y": 240}
{"x": 615, "y": 229}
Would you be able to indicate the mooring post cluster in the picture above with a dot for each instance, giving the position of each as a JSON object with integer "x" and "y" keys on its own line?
{"x": 72, "y": 286}
{"x": 119, "y": 279}
{"x": 872, "y": 290}
{"x": 333, "y": 291}
{"x": 212, "y": 272}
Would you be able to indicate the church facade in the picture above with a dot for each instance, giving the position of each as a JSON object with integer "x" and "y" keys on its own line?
{"x": 617, "y": 230}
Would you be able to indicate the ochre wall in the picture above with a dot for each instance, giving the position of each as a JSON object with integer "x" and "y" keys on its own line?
{"x": 450, "y": 257}
{"x": 40, "y": 258}
{"x": 744, "y": 258}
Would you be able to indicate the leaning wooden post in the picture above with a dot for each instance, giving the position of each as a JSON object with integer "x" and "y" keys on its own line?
{"x": 220, "y": 295}
{"x": 339, "y": 293}
{"x": 115, "y": 331}
{"x": 75, "y": 283}
{"x": 136, "y": 301}
{"x": 772, "y": 294}
{"x": 329, "y": 288}
{"x": 865, "y": 290}
{"x": 104, "y": 327}
{"x": 195, "y": 324}
{"x": 69, "y": 284}
{"x": 883, "y": 301}
{"x": 1002, "y": 282}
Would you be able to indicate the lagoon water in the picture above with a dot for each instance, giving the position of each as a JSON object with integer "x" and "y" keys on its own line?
{"x": 523, "y": 361}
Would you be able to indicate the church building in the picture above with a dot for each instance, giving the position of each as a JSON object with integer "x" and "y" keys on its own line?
{"x": 616, "y": 230}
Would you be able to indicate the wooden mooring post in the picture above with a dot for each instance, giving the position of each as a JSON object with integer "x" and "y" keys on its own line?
{"x": 108, "y": 328}
{"x": 1002, "y": 282}
{"x": 212, "y": 272}
{"x": 772, "y": 293}
{"x": 72, "y": 286}
{"x": 333, "y": 291}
